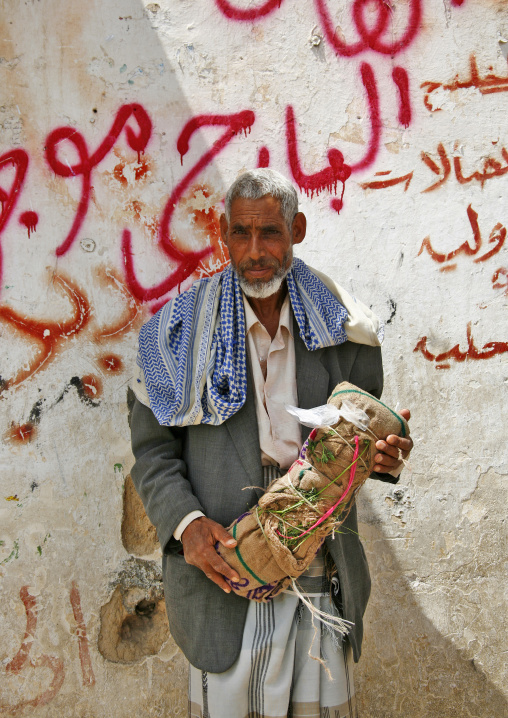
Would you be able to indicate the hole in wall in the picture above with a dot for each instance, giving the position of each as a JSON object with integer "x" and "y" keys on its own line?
{"x": 134, "y": 622}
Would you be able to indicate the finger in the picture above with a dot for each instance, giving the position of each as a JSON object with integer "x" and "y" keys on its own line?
{"x": 399, "y": 442}
{"x": 212, "y": 565}
{"x": 385, "y": 448}
{"x": 218, "y": 579}
{"x": 224, "y": 537}
{"x": 385, "y": 463}
{"x": 221, "y": 567}
{"x": 405, "y": 413}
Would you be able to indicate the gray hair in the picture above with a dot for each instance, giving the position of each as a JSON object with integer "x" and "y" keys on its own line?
{"x": 259, "y": 183}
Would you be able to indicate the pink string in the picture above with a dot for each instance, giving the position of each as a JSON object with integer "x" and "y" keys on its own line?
{"x": 351, "y": 479}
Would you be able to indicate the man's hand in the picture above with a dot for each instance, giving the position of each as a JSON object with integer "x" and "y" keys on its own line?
{"x": 389, "y": 457}
{"x": 198, "y": 540}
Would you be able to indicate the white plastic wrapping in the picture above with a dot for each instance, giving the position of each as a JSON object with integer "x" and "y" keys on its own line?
{"x": 328, "y": 415}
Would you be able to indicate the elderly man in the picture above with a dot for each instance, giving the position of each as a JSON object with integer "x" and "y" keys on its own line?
{"x": 216, "y": 367}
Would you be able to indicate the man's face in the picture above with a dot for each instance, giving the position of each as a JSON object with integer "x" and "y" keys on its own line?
{"x": 260, "y": 244}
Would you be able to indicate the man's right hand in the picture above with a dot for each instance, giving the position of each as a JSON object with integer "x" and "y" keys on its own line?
{"x": 198, "y": 541}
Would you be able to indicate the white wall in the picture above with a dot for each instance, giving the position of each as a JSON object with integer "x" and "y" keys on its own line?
{"x": 70, "y": 309}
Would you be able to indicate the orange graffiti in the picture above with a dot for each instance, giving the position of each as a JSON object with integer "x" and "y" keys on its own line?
{"x": 491, "y": 168}
{"x": 49, "y": 335}
{"x": 382, "y": 184}
{"x": 500, "y": 273}
{"x": 84, "y": 653}
{"x": 496, "y": 237}
{"x": 131, "y": 310}
{"x": 486, "y": 85}
{"x": 110, "y": 363}
{"x": 21, "y": 659}
{"x": 489, "y": 350}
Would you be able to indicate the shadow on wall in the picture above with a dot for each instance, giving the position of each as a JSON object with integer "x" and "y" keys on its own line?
{"x": 408, "y": 668}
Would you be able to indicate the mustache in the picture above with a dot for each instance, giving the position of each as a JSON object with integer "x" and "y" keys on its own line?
{"x": 260, "y": 264}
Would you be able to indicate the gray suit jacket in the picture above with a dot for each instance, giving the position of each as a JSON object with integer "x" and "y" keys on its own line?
{"x": 179, "y": 470}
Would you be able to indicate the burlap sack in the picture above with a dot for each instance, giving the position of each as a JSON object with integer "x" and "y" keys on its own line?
{"x": 266, "y": 558}
{"x": 261, "y": 560}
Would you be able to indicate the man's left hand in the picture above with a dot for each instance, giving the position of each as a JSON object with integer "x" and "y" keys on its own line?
{"x": 393, "y": 449}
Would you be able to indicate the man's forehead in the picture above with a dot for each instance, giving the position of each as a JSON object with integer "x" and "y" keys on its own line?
{"x": 266, "y": 208}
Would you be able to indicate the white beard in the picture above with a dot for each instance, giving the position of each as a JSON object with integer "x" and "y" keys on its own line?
{"x": 261, "y": 290}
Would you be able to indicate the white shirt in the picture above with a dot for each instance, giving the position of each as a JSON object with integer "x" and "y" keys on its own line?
{"x": 273, "y": 367}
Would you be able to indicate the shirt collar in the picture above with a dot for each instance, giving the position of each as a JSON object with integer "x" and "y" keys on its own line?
{"x": 251, "y": 319}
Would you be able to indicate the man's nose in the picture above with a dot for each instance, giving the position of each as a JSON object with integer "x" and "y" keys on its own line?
{"x": 256, "y": 249}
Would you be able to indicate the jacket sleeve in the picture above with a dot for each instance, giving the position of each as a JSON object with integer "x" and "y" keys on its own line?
{"x": 159, "y": 473}
{"x": 367, "y": 373}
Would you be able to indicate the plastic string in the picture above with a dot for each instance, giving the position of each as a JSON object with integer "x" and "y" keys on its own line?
{"x": 350, "y": 482}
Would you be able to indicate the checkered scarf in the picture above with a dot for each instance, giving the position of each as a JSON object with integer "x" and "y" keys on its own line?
{"x": 192, "y": 360}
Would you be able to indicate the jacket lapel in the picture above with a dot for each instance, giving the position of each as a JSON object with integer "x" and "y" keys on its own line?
{"x": 243, "y": 429}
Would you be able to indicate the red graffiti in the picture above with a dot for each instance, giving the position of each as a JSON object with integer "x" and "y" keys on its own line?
{"x": 248, "y": 14}
{"x": 30, "y": 220}
{"x": 187, "y": 262}
{"x": 49, "y": 335}
{"x": 497, "y": 238}
{"x": 369, "y": 82}
{"x": 401, "y": 79}
{"x": 500, "y": 273}
{"x": 137, "y": 141}
{"x": 8, "y": 199}
{"x": 491, "y": 168}
{"x": 84, "y": 653}
{"x": 489, "y": 350}
{"x": 327, "y": 178}
{"x": 337, "y": 170}
{"x": 21, "y": 659}
{"x": 371, "y": 36}
{"x": 264, "y": 157}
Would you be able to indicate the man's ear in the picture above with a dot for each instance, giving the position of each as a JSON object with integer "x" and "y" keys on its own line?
{"x": 223, "y": 229}
{"x": 299, "y": 228}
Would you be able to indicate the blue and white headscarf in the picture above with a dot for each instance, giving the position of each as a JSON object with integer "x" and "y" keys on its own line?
{"x": 192, "y": 360}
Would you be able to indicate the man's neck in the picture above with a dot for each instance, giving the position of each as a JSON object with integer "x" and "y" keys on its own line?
{"x": 267, "y": 310}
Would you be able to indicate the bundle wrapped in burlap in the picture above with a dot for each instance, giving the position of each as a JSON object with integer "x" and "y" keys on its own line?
{"x": 279, "y": 537}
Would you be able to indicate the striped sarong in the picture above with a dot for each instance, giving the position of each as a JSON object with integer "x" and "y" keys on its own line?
{"x": 274, "y": 675}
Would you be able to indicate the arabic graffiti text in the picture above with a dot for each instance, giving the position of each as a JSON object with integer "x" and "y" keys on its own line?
{"x": 489, "y": 350}
{"x": 23, "y": 661}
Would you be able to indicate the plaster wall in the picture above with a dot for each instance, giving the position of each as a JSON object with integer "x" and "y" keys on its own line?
{"x": 121, "y": 125}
